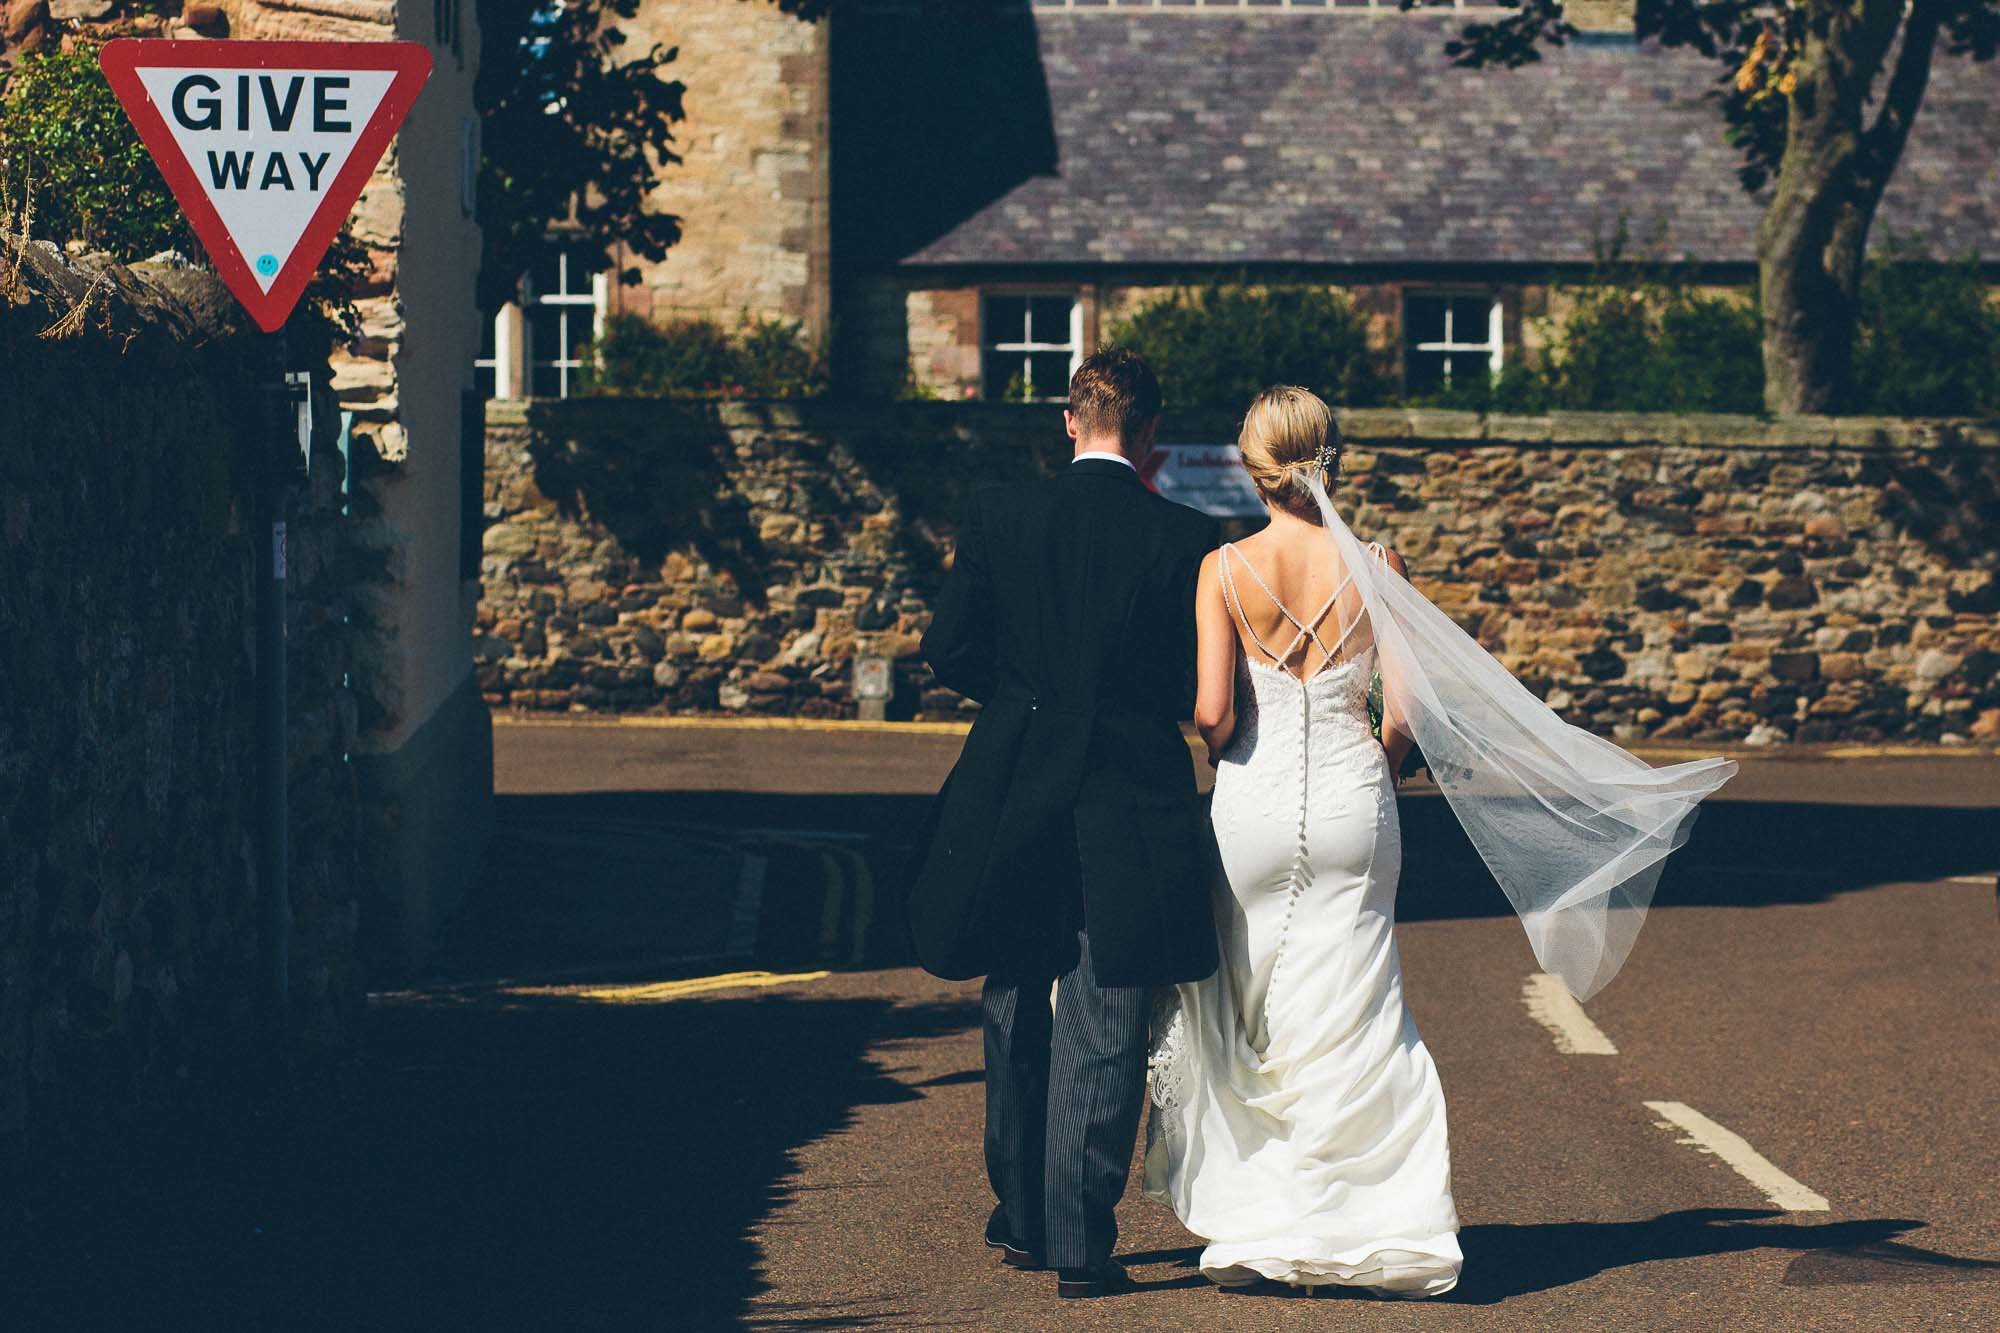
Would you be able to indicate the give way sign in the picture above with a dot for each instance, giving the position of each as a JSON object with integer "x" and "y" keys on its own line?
{"x": 266, "y": 145}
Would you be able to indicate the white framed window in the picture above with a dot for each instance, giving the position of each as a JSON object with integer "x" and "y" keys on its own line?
{"x": 564, "y": 296}
{"x": 495, "y": 370}
{"x": 1450, "y": 339}
{"x": 533, "y": 348}
{"x": 1030, "y": 344}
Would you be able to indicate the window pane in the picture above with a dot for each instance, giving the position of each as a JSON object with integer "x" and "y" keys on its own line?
{"x": 1006, "y": 376}
{"x": 485, "y": 380}
{"x": 545, "y": 331}
{"x": 544, "y": 381}
{"x": 1050, "y": 372}
{"x": 1423, "y": 371}
{"x": 1006, "y": 319}
{"x": 1469, "y": 316}
{"x": 544, "y": 275}
{"x": 1423, "y": 319}
{"x": 1049, "y": 320}
{"x": 1469, "y": 369}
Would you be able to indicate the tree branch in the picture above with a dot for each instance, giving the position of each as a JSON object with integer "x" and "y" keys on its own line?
{"x": 1883, "y": 142}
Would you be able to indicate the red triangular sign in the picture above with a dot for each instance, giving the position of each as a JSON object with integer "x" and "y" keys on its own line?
{"x": 265, "y": 144}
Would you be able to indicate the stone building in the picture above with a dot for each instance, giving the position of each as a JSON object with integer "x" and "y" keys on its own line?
{"x": 969, "y": 202}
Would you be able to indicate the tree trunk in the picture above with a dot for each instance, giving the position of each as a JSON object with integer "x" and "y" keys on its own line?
{"x": 1814, "y": 236}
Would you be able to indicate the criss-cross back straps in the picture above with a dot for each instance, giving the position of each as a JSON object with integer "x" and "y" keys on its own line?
{"x": 1303, "y": 629}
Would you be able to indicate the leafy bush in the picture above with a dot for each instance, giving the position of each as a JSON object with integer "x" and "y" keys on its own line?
{"x": 68, "y": 150}
{"x": 1221, "y": 346}
{"x": 1638, "y": 339}
{"x": 697, "y": 358}
{"x": 775, "y": 360}
{"x": 1929, "y": 341}
{"x": 64, "y": 136}
{"x": 1655, "y": 348}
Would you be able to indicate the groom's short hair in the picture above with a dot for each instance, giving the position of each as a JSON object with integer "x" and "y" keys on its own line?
{"x": 1114, "y": 392}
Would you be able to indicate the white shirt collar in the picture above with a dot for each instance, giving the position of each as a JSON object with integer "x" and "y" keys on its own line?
{"x": 1105, "y": 454}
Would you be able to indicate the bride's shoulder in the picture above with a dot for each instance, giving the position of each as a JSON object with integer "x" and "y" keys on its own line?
{"x": 1388, "y": 557}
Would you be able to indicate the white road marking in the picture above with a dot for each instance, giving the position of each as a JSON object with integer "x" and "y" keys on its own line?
{"x": 829, "y": 916}
{"x": 749, "y": 903}
{"x": 1550, "y": 1004}
{"x": 1746, "y": 1161}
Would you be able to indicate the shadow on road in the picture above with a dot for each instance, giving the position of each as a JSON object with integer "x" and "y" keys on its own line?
{"x": 628, "y": 866}
{"x": 1740, "y": 854}
{"x": 1505, "y": 1261}
{"x": 558, "y": 1163}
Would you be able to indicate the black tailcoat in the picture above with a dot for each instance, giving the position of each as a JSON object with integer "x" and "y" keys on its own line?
{"x": 1069, "y": 614}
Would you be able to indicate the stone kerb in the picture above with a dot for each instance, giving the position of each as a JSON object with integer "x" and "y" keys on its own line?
{"x": 1654, "y": 577}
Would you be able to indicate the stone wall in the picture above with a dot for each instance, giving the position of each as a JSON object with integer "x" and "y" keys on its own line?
{"x": 1706, "y": 578}
{"x": 127, "y": 739}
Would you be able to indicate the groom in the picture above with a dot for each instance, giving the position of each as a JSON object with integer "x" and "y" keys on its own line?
{"x": 1069, "y": 845}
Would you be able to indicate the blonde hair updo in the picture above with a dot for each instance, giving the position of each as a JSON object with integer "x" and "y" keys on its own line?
{"x": 1287, "y": 433}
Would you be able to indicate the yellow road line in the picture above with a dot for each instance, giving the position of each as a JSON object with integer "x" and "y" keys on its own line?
{"x": 741, "y": 724}
{"x": 957, "y": 728}
{"x": 658, "y": 991}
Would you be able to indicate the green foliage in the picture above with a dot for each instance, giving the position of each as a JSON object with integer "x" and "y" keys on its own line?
{"x": 775, "y": 360}
{"x": 1929, "y": 341}
{"x": 64, "y": 136}
{"x": 697, "y": 358}
{"x": 1221, "y": 346}
{"x": 1636, "y": 338}
{"x": 575, "y": 129}
{"x": 67, "y": 147}
{"x": 1647, "y": 349}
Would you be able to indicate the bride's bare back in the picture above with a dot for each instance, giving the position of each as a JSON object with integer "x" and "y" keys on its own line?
{"x": 1293, "y": 602}
{"x": 1281, "y": 597}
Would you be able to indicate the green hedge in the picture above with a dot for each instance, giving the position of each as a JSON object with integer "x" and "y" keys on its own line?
{"x": 1929, "y": 343}
{"x": 697, "y": 358}
{"x": 1219, "y": 346}
{"x": 1635, "y": 338}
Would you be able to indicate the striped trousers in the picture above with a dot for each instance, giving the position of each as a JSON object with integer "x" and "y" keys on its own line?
{"x": 1064, "y": 1091}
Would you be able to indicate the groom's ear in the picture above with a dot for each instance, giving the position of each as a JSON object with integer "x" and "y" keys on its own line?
{"x": 1069, "y": 423}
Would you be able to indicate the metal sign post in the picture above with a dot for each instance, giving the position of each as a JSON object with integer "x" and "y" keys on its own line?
{"x": 266, "y": 146}
{"x": 287, "y": 424}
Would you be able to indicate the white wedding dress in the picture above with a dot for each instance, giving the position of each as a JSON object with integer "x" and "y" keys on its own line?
{"x": 1298, "y": 1123}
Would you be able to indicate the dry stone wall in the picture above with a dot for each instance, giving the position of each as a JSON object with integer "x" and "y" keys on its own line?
{"x": 127, "y": 739}
{"x": 1655, "y": 578}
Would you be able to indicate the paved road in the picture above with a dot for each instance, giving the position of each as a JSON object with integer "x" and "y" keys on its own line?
{"x": 673, "y": 1071}
{"x": 1820, "y": 982}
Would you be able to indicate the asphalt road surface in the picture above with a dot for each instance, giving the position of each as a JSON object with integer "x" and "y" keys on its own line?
{"x": 673, "y": 1071}
{"x": 1816, "y": 997}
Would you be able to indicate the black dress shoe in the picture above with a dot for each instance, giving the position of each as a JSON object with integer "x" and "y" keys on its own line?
{"x": 1012, "y": 1254}
{"x": 1106, "y": 1279}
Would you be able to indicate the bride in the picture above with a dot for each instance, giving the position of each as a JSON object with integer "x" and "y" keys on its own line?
{"x": 1298, "y": 1123}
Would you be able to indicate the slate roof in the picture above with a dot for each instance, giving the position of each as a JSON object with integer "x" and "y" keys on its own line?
{"x": 1313, "y": 138}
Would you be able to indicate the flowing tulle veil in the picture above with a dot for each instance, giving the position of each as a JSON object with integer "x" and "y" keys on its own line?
{"x": 1575, "y": 829}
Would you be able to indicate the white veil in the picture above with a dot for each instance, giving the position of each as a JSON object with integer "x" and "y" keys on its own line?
{"x": 1575, "y": 829}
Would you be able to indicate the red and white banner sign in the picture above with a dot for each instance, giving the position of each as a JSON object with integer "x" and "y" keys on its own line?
{"x": 266, "y": 145}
